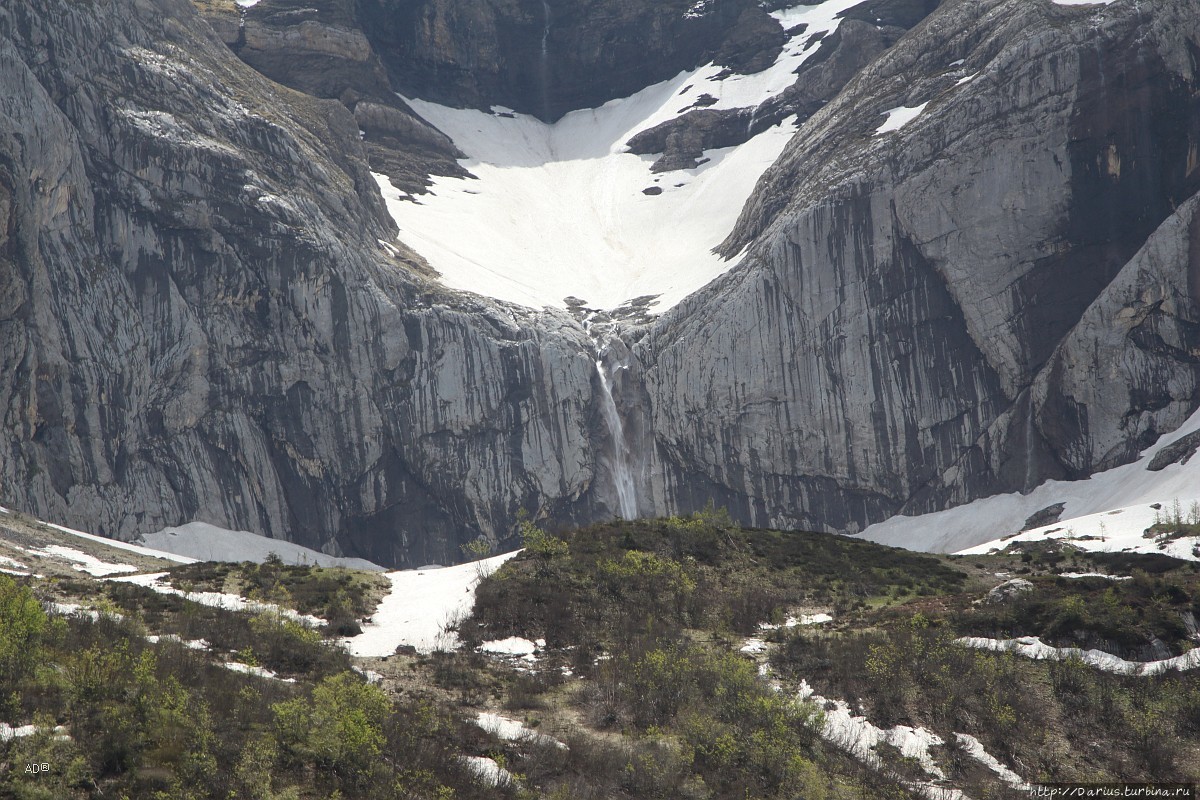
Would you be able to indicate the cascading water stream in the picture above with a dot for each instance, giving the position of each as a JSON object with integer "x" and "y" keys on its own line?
{"x": 1029, "y": 434}
{"x": 544, "y": 63}
{"x": 620, "y": 461}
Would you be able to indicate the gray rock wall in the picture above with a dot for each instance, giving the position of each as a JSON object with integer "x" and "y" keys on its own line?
{"x": 198, "y": 319}
{"x": 199, "y": 322}
{"x": 876, "y": 349}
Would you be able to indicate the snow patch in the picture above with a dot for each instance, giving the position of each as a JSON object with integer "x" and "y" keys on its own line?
{"x": 82, "y": 561}
{"x": 859, "y": 737}
{"x": 8, "y": 733}
{"x": 260, "y": 672}
{"x": 230, "y": 602}
{"x": 488, "y": 771}
{"x": 898, "y": 117}
{"x": 512, "y": 646}
{"x": 205, "y": 542}
{"x": 119, "y": 545}
{"x": 191, "y": 644}
{"x": 753, "y": 646}
{"x": 1120, "y": 529}
{"x": 975, "y": 750}
{"x": 559, "y": 210}
{"x": 1120, "y": 498}
{"x": 76, "y": 610}
{"x": 792, "y": 622}
{"x": 420, "y": 605}
{"x": 1033, "y": 647}
{"x": 513, "y": 731}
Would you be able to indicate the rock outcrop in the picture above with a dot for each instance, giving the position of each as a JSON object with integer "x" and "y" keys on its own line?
{"x": 204, "y": 315}
{"x": 547, "y": 57}
{"x": 200, "y": 320}
{"x": 319, "y": 48}
{"x": 996, "y": 293}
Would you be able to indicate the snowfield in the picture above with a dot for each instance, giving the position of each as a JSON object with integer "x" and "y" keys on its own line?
{"x": 204, "y": 542}
{"x": 1107, "y": 512}
{"x": 421, "y": 604}
{"x": 559, "y": 210}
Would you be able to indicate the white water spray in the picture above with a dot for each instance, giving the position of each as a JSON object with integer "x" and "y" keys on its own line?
{"x": 1029, "y": 422}
{"x": 620, "y": 461}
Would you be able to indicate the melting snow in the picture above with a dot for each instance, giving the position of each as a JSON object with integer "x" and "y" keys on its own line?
{"x": 191, "y": 644}
{"x": 1035, "y": 648}
{"x": 8, "y": 733}
{"x": 199, "y": 540}
{"x": 1112, "y": 506}
{"x": 81, "y": 561}
{"x": 119, "y": 545}
{"x": 420, "y": 605}
{"x": 512, "y": 646}
{"x": 559, "y": 210}
{"x": 899, "y": 117}
{"x": 230, "y": 602}
{"x": 792, "y": 622}
{"x": 1119, "y": 529}
{"x": 859, "y": 737}
{"x": 512, "y": 730}
{"x": 1093, "y": 575}
{"x": 488, "y": 771}
{"x": 76, "y": 610}
{"x": 975, "y": 749}
{"x": 251, "y": 670}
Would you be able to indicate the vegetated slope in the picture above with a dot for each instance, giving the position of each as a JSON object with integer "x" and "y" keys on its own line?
{"x": 646, "y": 619}
{"x": 675, "y": 657}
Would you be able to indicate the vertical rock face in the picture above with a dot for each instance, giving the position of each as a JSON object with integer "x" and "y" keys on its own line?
{"x": 199, "y": 320}
{"x": 547, "y": 57}
{"x": 958, "y": 307}
{"x": 202, "y": 315}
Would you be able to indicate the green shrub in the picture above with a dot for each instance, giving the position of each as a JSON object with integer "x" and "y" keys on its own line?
{"x": 541, "y": 544}
{"x": 340, "y": 727}
{"x": 23, "y": 626}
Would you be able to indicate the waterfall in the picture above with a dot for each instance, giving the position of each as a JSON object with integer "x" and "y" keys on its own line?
{"x": 544, "y": 63}
{"x": 1029, "y": 433}
{"x": 620, "y": 461}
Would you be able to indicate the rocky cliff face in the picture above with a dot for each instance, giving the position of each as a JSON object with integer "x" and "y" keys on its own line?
{"x": 547, "y": 57}
{"x": 204, "y": 317}
{"x": 201, "y": 322}
{"x": 962, "y": 306}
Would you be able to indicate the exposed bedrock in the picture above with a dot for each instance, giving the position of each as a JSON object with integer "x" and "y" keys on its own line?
{"x": 199, "y": 320}
{"x": 204, "y": 314}
{"x": 548, "y": 57}
{"x": 960, "y": 307}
